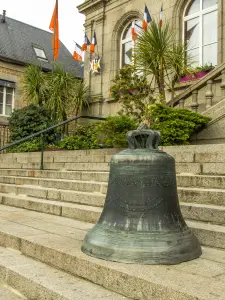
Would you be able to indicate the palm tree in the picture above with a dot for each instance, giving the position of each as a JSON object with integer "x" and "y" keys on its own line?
{"x": 80, "y": 96}
{"x": 57, "y": 91}
{"x": 61, "y": 85}
{"x": 67, "y": 95}
{"x": 159, "y": 54}
{"x": 33, "y": 85}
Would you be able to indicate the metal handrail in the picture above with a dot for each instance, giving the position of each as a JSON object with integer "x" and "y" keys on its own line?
{"x": 42, "y": 132}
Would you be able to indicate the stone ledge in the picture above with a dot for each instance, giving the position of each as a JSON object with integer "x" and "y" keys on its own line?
{"x": 42, "y": 282}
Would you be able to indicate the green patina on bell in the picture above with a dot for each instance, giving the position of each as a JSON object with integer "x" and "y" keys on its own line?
{"x": 141, "y": 221}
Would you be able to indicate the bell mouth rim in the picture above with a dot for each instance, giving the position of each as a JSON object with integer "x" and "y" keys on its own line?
{"x": 148, "y": 259}
{"x": 147, "y": 248}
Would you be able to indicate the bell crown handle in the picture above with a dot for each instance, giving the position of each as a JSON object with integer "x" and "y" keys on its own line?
{"x": 143, "y": 139}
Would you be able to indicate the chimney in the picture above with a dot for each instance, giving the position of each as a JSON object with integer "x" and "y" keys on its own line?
{"x": 3, "y": 16}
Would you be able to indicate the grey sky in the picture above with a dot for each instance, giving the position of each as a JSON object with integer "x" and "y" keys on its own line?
{"x": 39, "y": 12}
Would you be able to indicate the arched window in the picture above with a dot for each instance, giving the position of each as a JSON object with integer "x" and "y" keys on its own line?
{"x": 127, "y": 44}
{"x": 200, "y": 31}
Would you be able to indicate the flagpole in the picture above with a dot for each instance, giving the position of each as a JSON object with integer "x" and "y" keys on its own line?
{"x": 98, "y": 51}
{"x": 56, "y": 8}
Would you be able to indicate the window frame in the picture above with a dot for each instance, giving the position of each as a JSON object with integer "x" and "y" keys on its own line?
{"x": 39, "y": 57}
{"x": 124, "y": 41}
{"x": 4, "y": 100}
{"x": 200, "y": 14}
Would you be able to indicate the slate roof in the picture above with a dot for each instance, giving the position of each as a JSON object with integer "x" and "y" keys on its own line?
{"x": 16, "y": 45}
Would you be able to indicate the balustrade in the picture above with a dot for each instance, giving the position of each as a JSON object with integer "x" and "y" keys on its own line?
{"x": 194, "y": 105}
{"x": 209, "y": 94}
{"x": 181, "y": 103}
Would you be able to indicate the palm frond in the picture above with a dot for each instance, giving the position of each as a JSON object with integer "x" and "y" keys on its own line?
{"x": 159, "y": 54}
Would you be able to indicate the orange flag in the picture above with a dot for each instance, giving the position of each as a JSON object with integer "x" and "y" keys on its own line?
{"x": 54, "y": 27}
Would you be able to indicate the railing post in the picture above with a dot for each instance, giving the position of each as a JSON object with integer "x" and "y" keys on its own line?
{"x": 42, "y": 153}
{"x": 223, "y": 84}
{"x": 209, "y": 94}
{"x": 194, "y": 105}
{"x": 181, "y": 103}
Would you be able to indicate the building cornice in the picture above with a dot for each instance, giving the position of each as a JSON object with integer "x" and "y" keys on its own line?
{"x": 90, "y": 6}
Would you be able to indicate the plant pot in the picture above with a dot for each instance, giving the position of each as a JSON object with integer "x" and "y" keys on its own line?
{"x": 201, "y": 74}
{"x": 187, "y": 77}
{"x": 190, "y": 77}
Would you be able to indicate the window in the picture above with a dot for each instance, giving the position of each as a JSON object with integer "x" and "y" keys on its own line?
{"x": 6, "y": 100}
{"x": 200, "y": 31}
{"x": 40, "y": 53}
{"x": 127, "y": 44}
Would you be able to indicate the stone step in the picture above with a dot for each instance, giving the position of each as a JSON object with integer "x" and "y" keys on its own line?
{"x": 210, "y": 234}
{"x": 202, "y": 195}
{"x": 213, "y": 168}
{"x": 204, "y": 181}
{"x": 85, "y": 198}
{"x": 193, "y": 195}
{"x": 74, "y": 211}
{"x": 75, "y": 185}
{"x": 202, "y": 212}
{"x": 214, "y": 111}
{"x": 194, "y": 168}
{"x": 57, "y": 166}
{"x": 36, "y": 280}
{"x": 72, "y": 175}
{"x": 7, "y": 293}
{"x": 198, "y": 204}
{"x": 183, "y": 180}
{"x": 52, "y": 240}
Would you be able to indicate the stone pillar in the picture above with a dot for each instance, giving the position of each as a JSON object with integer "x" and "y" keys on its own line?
{"x": 209, "y": 94}
{"x": 181, "y": 103}
{"x": 194, "y": 105}
{"x": 223, "y": 84}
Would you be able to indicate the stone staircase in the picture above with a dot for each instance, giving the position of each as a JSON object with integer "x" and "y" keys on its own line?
{"x": 44, "y": 215}
{"x": 205, "y": 96}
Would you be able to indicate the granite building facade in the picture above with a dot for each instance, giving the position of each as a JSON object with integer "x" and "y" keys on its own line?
{"x": 201, "y": 22}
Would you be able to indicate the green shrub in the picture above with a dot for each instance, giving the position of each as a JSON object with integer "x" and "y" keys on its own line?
{"x": 132, "y": 91}
{"x": 28, "y": 120}
{"x": 84, "y": 137}
{"x": 113, "y": 131}
{"x": 28, "y": 146}
{"x": 175, "y": 125}
{"x": 109, "y": 133}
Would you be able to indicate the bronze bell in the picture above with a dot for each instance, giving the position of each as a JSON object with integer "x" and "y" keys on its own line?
{"x": 141, "y": 221}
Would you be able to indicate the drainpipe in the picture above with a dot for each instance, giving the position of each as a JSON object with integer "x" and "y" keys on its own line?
{"x": 103, "y": 38}
{"x": 222, "y": 7}
{"x": 90, "y": 59}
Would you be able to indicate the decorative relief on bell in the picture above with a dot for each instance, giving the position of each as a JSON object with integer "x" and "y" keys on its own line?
{"x": 163, "y": 181}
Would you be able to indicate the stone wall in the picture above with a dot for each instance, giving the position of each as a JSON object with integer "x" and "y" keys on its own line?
{"x": 108, "y": 19}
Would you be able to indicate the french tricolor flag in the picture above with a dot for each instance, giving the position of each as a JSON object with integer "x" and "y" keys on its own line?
{"x": 86, "y": 43}
{"x": 93, "y": 44}
{"x": 133, "y": 32}
{"x": 161, "y": 17}
{"x": 77, "y": 54}
{"x": 147, "y": 19}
